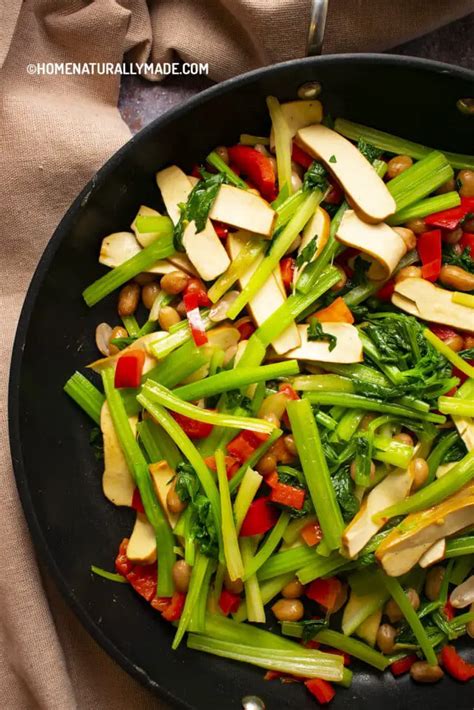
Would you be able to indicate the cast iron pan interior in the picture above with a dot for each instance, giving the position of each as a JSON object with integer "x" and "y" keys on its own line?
{"x": 58, "y": 478}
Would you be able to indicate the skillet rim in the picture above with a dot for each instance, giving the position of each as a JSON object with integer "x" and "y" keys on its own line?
{"x": 37, "y": 536}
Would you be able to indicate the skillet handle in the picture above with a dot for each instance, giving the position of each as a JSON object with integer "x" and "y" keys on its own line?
{"x": 317, "y": 25}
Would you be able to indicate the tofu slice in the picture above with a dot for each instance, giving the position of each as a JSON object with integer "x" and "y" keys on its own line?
{"x": 267, "y": 300}
{"x": 141, "y": 547}
{"x": 117, "y": 481}
{"x": 423, "y": 299}
{"x": 348, "y": 347}
{"x": 242, "y": 209}
{"x": 162, "y": 475}
{"x": 379, "y": 241}
{"x": 357, "y": 176}
{"x": 434, "y": 554}
{"x": 204, "y": 249}
{"x": 299, "y": 114}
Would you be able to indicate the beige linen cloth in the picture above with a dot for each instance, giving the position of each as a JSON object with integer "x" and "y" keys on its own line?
{"x": 55, "y": 132}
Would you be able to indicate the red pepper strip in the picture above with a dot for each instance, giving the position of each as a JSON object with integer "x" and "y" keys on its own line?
{"x": 160, "y": 603}
{"x": 345, "y": 656}
{"x": 261, "y": 517}
{"x": 122, "y": 564}
{"x": 228, "y": 602}
{"x": 196, "y": 171}
{"x": 143, "y": 580}
{"x": 451, "y": 219}
{"x": 321, "y": 689}
{"x": 403, "y": 665}
{"x": 287, "y": 269}
{"x": 191, "y": 427}
{"x": 335, "y": 194}
{"x": 311, "y": 534}
{"x": 311, "y": 644}
{"x": 175, "y": 607}
{"x": 443, "y": 332}
{"x": 246, "y": 328}
{"x": 221, "y": 229}
{"x": 259, "y": 168}
{"x": 191, "y": 303}
{"x": 385, "y": 293}
{"x": 128, "y": 371}
{"x": 288, "y": 391}
{"x": 137, "y": 501}
{"x": 455, "y": 665}
{"x": 449, "y": 611}
{"x": 291, "y": 496}
{"x": 467, "y": 242}
{"x": 231, "y": 465}
{"x": 324, "y": 591}
{"x": 196, "y": 287}
{"x": 429, "y": 250}
{"x": 299, "y": 157}
{"x": 244, "y": 444}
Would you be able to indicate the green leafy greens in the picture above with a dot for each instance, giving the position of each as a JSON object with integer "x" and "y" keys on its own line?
{"x": 198, "y": 205}
{"x": 316, "y": 177}
{"x": 316, "y": 332}
{"x": 202, "y": 527}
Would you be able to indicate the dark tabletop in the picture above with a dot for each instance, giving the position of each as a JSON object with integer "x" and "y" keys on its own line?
{"x": 141, "y": 101}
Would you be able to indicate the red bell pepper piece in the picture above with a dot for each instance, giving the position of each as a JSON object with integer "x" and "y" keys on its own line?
{"x": 455, "y": 665}
{"x": 385, "y": 293}
{"x": 128, "y": 370}
{"x": 143, "y": 579}
{"x": 197, "y": 287}
{"x": 191, "y": 427}
{"x": 335, "y": 194}
{"x": 122, "y": 564}
{"x": 324, "y": 591}
{"x": 299, "y": 156}
{"x": 312, "y": 534}
{"x": 175, "y": 607}
{"x": 244, "y": 444}
{"x": 228, "y": 602}
{"x": 196, "y": 171}
{"x": 137, "y": 501}
{"x": 194, "y": 318}
{"x": 245, "y": 328}
{"x": 452, "y": 218}
{"x": 321, "y": 689}
{"x": 287, "y": 269}
{"x": 429, "y": 250}
{"x": 160, "y": 603}
{"x": 256, "y": 166}
{"x": 443, "y": 332}
{"x": 467, "y": 242}
{"x": 449, "y": 611}
{"x": 261, "y": 517}
{"x": 285, "y": 494}
{"x": 288, "y": 391}
{"x": 403, "y": 665}
{"x": 221, "y": 229}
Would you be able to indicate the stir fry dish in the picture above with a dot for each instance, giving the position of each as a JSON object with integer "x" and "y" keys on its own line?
{"x": 290, "y": 409}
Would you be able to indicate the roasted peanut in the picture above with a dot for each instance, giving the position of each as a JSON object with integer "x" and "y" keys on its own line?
{"x": 353, "y": 470}
{"x": 404, "y": 438}
{"x": 433, "y": 581}
{"x": 342, "y": 280}
{"x": 419, "y": 468}
{"x": 117, "y": 332}
{"x": 235, "y": 586}
{"x": 149, "y": 292}
{"x": 398, "y": 165}
{"x": 128, "y": 299}
{"x": 408, "y": 272}
{"x": 293, "y": 590}
{"x": 267, "y": 464}
{"x": 448, "y": 186}
{"x": 386, "y": 638}
{"x": 457, "y": 278}
{"x": 417, "y": 225}
{"x": 175, "y": 282}
{"x": 393, "y": 611}
{"x": 452, "y": 236}
{"x": 290, "y": 445}
{"x": 288, "y": 609}
{"x": 181, "y": 574}
{"x": 465, "y": 180}
{"x": 407, "y": 235}
{"x": 168, "y": 317}
{"x": 422, "y": 672}
{"x": 173, "y": 501}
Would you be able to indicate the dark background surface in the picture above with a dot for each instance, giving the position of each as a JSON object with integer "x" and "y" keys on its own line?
{"x": 141, "y": 101}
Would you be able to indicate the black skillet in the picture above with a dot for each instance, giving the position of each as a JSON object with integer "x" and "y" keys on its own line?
{"x": 58, "y": 478}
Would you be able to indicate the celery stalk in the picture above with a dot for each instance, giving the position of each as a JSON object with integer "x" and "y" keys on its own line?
{"x": 358, "y": 294}
{"x": 420, "y": 179}
{"x": 456, "y": 407}
{"x": 433, "y": 493}
{"x": 349, "y": 423}
{"x": 449, "y": 354}
{"x": 461, "y": 568}
{"x": 139, "y": 468}
{"x": 146, "y": 432}
{"x": 396, "y": 145}
{"x": 249, "y": 486}
{"x": 464, "y": 299}
{"x": 287, "y": 209}
{"x": 197, "y": 622}
{"x": 86, "y": 395}
{"x": 131, "y": 326}
{"x": 460, "y": 546}
{"x": 354, "y": 401}
{"x": 308, "y": 443}
{"x": 425, "y": 207}
{"x": 178, "y": 365}
{"x": 195, "y": 586}
{"x": 278, "y": 248}
{"x": 232, "y": 555}
{"x": 293, "y": 531}
{"x": 268, "y": 590}
{"x": 438, "y": 453}
{"x": 282, "y": 144}
{"x": 299, "y": 663}
{"x": 187, "y": 447}
{"x": 320, "y": 567}
{"x": 355, "y": 648}
{"x": 397, "y": 593}
{"x": 253, "y": 458}
{"x": 253, "y": 594}
{"x": 156, "y": 393}
{"x": 324, "y": 383}
{"x": 164, "y": 345}
{"x": 251, "y": 250}
{"x": 271, "y": 541}
{"x": 159, "y": 249}
{"x": 287, "y": 561}
{"x": 111, "y": 576}
{"x": 235, "y": 379}
{"x": 216, "y": 161}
